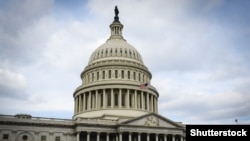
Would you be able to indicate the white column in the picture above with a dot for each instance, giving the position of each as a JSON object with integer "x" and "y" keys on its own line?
{"x": 127, "y": 99}
{"x": 84, "y": 101}
{"x": 14, "y": 134}
{"x": 165, "y": 137}
{"x": 136, "y": 102}
{"x": 152, "y": 103}
{"x": 129, "y": 136}
{"x": 120, "y": 136}
{"x": 156, "y": 137}
{"x": 77, "y": 103}
{"x": 80, "y": 103}
{"x": 88, "y": 136}
{"x": 147, "y": 137}
{"x": 104, "y": 98}
{"x": 173, "y": 137}
{"x": 78, "y": 136}
{"x": 120, "y": 98}
{"x": 66, "y": 138}
{"x": 148, "y": 101}
{"x": 112, "y": 98}
{"x": 89, "y": 100}
{"x": 139, "y": 136}
{"x": 93, "y": 101}
{"x": 156, "y": 105}
{"x": 96, "y": 99}
{"x": 75, "y": 106}
{"x": 98, "y": 136}
{"x": 107, "y": 137}
{"x": 50, "y": 136}
{"x": 142, "y": 101}
{"x": 181, "y": 137}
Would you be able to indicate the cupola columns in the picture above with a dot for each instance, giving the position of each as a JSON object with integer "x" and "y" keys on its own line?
{"x": 116, "y": 27}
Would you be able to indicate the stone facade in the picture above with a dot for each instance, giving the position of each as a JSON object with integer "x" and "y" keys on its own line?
{"x": 115, "y": 102}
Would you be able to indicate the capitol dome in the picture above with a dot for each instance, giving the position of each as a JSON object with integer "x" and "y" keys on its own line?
{"x": 115, "y": 83}
{"x": 116, "y": 47}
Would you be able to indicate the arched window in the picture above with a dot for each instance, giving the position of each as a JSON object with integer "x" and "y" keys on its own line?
{"x": 122, "y": 74}
{"x": 98, "y": 75}
{"x": 134, "y": 75}
{"x": 116, "y": 73}
{"x": 25, "y": 137}
{"x": 139, "y": 76}
{"x": 103, "y": 74}
{"x": 109, "y": 73}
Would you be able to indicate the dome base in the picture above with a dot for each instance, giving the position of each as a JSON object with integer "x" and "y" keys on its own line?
{"x": 114, "y": 114}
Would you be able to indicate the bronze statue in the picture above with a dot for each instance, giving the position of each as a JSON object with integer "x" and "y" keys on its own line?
{"x": 116, "y": 11}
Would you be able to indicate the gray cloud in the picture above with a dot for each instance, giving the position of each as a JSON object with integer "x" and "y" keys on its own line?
{"x": 12, "y": 85}
{"x": 15, "y": 17}
{"x": 202, "y": 69}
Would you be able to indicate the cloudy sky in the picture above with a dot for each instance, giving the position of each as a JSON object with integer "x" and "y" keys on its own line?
{"x": 197, "y": 51}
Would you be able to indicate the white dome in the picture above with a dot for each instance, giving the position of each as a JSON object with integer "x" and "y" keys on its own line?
{"x": 112, "y": 82}
{"x": 116, "y": 48}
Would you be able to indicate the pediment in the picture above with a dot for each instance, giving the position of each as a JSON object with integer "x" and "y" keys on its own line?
{"x": 152, "y": 120}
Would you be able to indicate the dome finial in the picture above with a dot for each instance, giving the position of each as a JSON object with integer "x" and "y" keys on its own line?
{"x": 116, "y": 26}
{"x": 116, "y": 19}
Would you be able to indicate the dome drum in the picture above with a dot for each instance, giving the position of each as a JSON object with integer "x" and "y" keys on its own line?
{"x": 118, "y": 73}
{"x": 114, "y": 98}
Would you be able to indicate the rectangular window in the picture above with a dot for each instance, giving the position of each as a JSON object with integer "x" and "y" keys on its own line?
{"x": 86, "y": 101}
{"x": 128, "y": 74}
{"x": 101, "y": 99}
{"x": 109, "y": 99}
{"x": 140, "y": 101}
{"x": 57, "y": 138}
{"x": 130, "y": 100}
{"x": 5, "y": 136}
{"x": 123, "y": 99}
{"x": 43, "y": 138}
{"x": 134, "y": 75}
